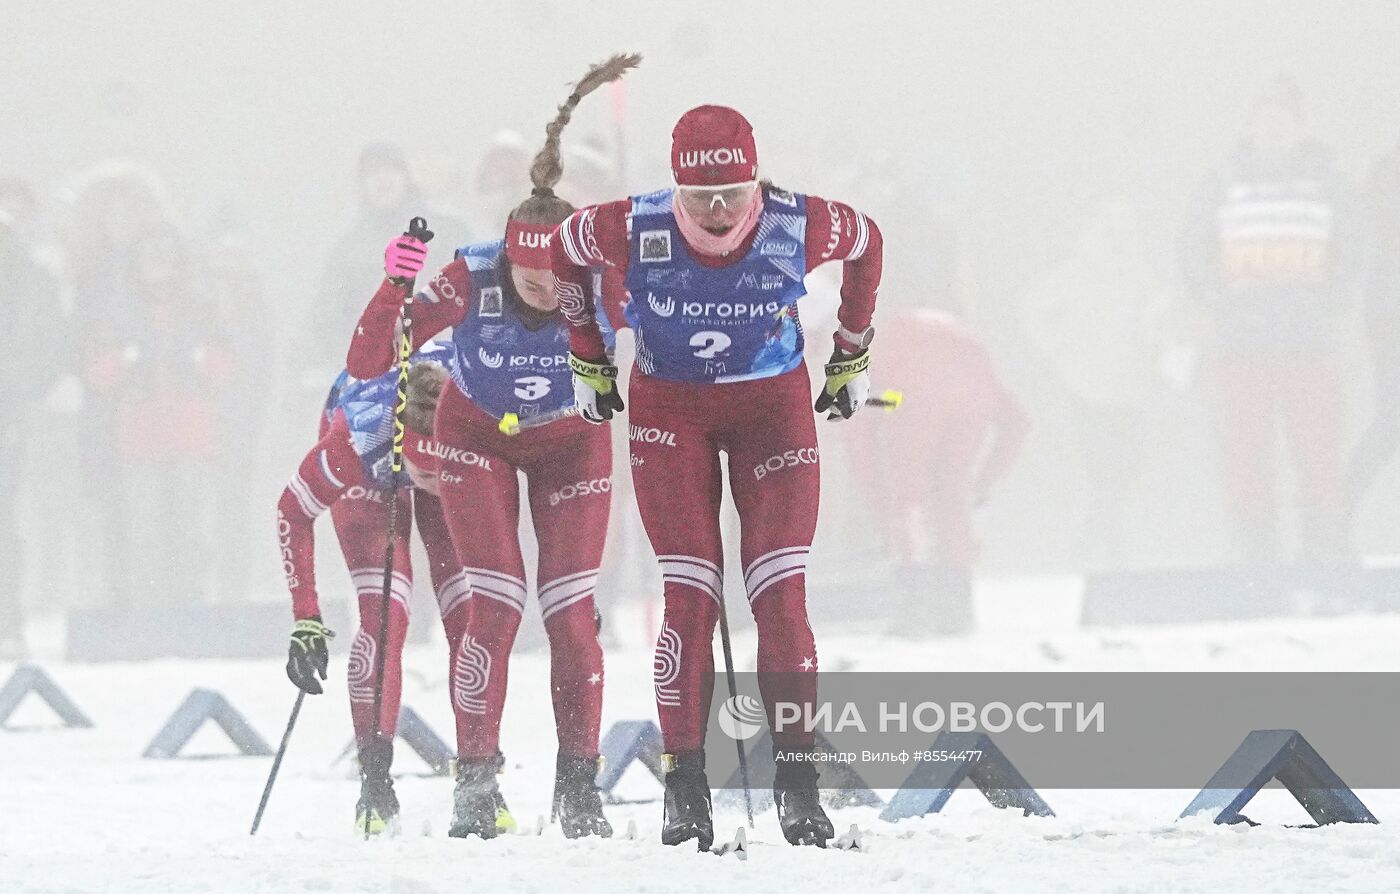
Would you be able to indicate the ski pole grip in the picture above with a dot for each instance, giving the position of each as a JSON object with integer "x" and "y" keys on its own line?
{"x": 418, "y": 229}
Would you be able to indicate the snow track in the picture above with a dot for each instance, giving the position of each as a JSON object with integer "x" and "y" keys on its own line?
{"x": 86, "y": 814}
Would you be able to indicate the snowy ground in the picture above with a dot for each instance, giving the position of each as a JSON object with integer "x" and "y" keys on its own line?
{"x": 84, "y": 813}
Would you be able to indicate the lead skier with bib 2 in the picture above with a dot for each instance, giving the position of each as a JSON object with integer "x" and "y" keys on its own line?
{"x": 714, "y": 268}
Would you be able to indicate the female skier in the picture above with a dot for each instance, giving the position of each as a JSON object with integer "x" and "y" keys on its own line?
{"x": 714, "y": 267}
{"x": 348, "y": 472}
{"x": 511, "y": 358}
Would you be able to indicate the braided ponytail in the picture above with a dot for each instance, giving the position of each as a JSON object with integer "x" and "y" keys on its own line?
{"x": 543, "y": 206}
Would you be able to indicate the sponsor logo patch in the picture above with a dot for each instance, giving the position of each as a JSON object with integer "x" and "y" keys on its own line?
{"x": 284, "y": 540}
{"x": 679, "y": 279}
{"x": 705, "y": 157}
{"x": 532, "y": 240}
{"x": 491, "y": 304}
{"x": 443, "y": 286}
{"x": 805, "y": 456}
{"x": 656, "y": 246}
{"x": 580, "y": 489}
{"x": 834, "y": 239}
{"x": 646, "y": 435}
{"x": 453, "y": 455}
{"x": 662, "y": 308}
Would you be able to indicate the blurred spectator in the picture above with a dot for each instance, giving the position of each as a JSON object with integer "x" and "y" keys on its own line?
{"x": 1381, "y": 440}
{"x": 1094, "y": 323}
{"x": 923, "y": 267}
{"x": 389, "y": 198}
{"x": 49, "y": 492}
{"x": 924, "y": 254}
{"x": 113, "y": 206}
{"x": 445, "y": 174}
{"x": 30, "y": 370}
{"x": 1270, "y": 251}
{"x": 501, "y": 178}
{"x": 239, "y": 310}
{"x": 19, "y": 205}
{"x": 161, "y": 368}
{"x": 591, "y": 174}
{"x": 928, "y": 466}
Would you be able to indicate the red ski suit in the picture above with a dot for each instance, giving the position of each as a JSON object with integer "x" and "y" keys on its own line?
{"x": 567, "y": 466}
{"x": 766, "y": 427}
{"x": 331, "y": 475}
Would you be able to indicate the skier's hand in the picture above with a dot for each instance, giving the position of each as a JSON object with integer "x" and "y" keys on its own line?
{"x": 308, "y": 655}
{"x": 404, "y": 257}
{"x": 847, "y": 384}
{"x": 595, "y": 389}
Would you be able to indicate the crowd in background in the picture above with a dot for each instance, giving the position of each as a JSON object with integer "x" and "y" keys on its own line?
{"x": 1205, "y": 355}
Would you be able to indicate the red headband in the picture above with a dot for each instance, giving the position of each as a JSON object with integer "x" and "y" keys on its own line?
{"x": 527, "y": 245}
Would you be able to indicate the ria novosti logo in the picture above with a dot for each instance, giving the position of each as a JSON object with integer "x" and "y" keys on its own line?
{"x": 741, "y": 717}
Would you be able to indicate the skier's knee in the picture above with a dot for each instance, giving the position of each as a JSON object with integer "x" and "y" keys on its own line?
{"x": 779, "y": 611}
{"x": 572, "y": 630}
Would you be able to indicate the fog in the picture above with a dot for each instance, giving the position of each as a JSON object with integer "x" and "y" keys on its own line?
{"x": 1036, "y": 170}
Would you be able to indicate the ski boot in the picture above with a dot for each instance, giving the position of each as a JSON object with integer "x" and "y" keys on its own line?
{"x": 477, "y": 803}
{"x": 798, "y": 800}
{"x": 687, "y": 811}
{"x": 576, "y": 801}
{"x": 377, "y": 811}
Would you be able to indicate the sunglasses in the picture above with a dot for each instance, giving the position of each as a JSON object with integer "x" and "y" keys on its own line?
{"x": 727, "y": 196}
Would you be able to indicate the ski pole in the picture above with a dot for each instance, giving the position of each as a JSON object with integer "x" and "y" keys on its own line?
{"x": 277, "y": 762}
{"x": 512, "y": 424}
{"x": 417, "y": 228}
{"x": 890, "y": 400}
{"x": 733, "y": 695}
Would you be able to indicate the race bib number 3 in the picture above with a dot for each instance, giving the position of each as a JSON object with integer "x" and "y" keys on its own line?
{"x": 531, "y": 387}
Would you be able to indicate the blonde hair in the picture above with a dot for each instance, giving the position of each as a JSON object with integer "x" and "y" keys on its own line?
{"x": 543, "y": 206}
{"x": 425, "y": 381}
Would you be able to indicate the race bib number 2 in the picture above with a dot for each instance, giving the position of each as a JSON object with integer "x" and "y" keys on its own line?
{"x": 709, "y": 345}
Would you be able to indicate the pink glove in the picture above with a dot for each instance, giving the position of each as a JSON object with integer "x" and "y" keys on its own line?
{"x": 404, "y": 257}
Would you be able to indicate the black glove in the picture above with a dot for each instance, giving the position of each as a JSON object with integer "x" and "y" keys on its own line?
{"x": 308, "y": 655}
{"x": 595, "y": 389}
{"x": 847, "y": 385}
